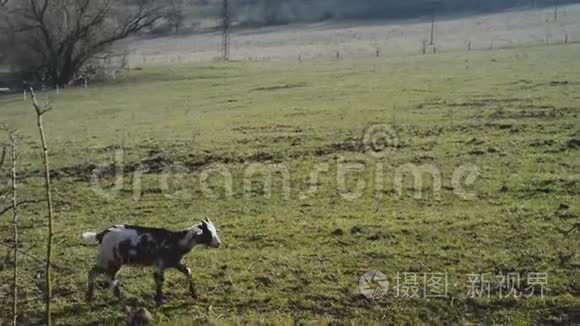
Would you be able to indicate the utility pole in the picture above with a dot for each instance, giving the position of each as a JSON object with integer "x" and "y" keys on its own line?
{"x": 226, "y": 30}
{"x": 431, "y": 39}
{"x": 433, "y": 5}
{"x": 555, "y": 10}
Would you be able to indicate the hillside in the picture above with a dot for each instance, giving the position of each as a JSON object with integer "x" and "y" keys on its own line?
{"x": 519, "y": 28}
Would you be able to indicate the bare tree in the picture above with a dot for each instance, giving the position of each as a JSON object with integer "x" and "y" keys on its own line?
{"x": 39, "y": 113}
{"x": 60, "y": 36}
{"x": 175, "y": 14}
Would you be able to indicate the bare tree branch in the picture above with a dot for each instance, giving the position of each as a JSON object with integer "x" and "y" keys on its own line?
{"x": 39, "y": 260}
{"x": 3, "y": 155}
{"x": 5, "y": 191}
{"x": 14, "y": 230}
{"x": 40, "y": 110}
{"x": 4, "y": 210}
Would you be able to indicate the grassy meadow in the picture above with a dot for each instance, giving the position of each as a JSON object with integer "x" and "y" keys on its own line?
{"x": 296, "y": 256}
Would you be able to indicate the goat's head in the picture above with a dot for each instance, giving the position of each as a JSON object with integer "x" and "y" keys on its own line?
{"x": 203, "y": 233}
{"x": 208, "y": 236}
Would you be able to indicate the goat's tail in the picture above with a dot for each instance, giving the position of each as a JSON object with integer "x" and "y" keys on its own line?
{"x": 90, "y": 238}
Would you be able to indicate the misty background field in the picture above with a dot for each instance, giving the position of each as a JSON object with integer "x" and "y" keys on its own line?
{"x": 520, "y": 27}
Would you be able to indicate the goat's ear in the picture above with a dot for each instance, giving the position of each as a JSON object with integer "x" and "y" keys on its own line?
{"x": 207, "y": 220}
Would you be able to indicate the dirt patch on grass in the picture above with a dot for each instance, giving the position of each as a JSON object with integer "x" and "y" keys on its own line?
{"x": 562, "y": 186}
{"x": 485, "y": 102}
{"x": 543, "y": 143}
{"x": 512, "y": 128}
{"x": 533, "y": 112}
{"x": 560, "y": 83}
{"x": 292, "y": 140}
{"x": 573, "y": 143}
{"x": 275, "y": 129}
{"x": 350, "y": 145}
{"x": 157, "y": 162}
{"x": 279, "y": 87}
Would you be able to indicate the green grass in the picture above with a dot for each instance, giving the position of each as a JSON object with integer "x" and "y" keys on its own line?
{"x": 510, "y": 113}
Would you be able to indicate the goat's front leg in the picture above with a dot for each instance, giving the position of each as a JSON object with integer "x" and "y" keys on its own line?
{"x": 91, "y": 282}
{"x": 158, "y": 276}
{"x": 187, "y": 272}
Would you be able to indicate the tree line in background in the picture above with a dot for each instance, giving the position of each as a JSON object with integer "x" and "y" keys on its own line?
{"x": 54, "y": 41}
{"x": 271, "y": 12}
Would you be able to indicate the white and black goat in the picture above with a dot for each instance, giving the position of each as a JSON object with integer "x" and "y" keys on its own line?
{"x": 141, "y": 246}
